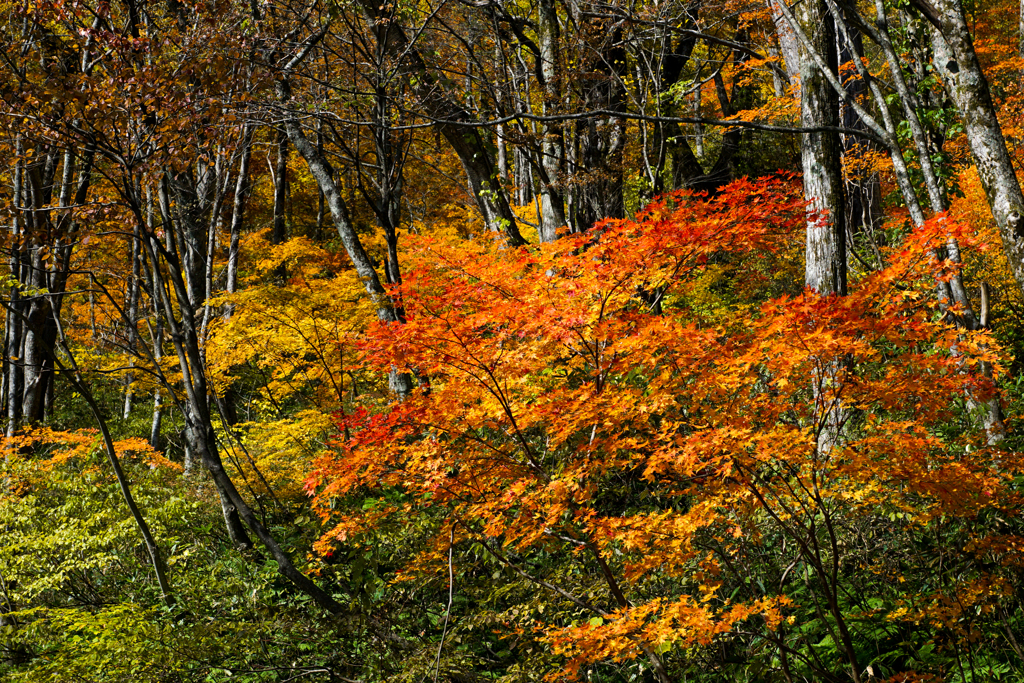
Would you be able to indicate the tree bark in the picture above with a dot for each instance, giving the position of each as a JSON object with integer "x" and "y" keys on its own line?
{"x": 552, "y": 146}
{"x": 821, "y": 156}
{"x": 863, "y": 189}
{"x": 957, "y": 64}
{"x": 323, "y": 173}
{"x": 277, "y": 236}
{"x": 15, "y": 367}
{"x": 237, "y": 213}
{"x": 182, "y": 231}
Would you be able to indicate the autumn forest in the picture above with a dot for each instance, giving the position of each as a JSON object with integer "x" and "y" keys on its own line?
{"x": 617, "y": 341}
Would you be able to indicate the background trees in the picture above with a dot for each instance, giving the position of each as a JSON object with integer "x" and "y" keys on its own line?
{"x": 400, "y": 379}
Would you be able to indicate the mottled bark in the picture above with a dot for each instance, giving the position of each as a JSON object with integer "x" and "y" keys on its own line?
{"x": 821, "y": 156}
{"x": 39, "y": 330}
{"x": 132, "y": 315}
{"x": 158, "y": 411}
{"x": 1020, "y": 29}
{"x": 14, "y": 369}
{"x": 41, "y": 262}
{"x": 957, "y": 64}
{"x": 524, "y": 189}
{"x": 504, "y": 169}
{"x": 157, "y": 339}
{"x": 221, "y": 178}
{"x": 789, "y": 44}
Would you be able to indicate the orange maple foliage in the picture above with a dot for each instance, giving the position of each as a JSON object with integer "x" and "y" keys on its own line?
{"x": 548, "y": 378}
{"x": 63, "y": 447}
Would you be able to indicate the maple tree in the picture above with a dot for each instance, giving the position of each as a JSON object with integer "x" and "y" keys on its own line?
{"x": 554, "y": 402}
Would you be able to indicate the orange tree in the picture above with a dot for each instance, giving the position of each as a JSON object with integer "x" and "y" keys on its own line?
{"x": 658, "y": 474}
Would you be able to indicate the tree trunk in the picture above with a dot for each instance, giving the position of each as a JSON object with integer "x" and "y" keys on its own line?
{"x": 15, "y": 371}
{"x": 821, "y": 156}
{"x": 156, "y": 557}
{"x": 154, "y": 425}
{"x": 277, "y": 236}
{"x": 552, "y": 145}
{"x": 189, "y": 289}
{"x": 132, "y": 311}
{"x": 957, "y": 64}
{"x": 237, "y": 212}
{"x": 863, "y": 188}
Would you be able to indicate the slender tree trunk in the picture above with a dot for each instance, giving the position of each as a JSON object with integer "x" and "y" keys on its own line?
{"x": 199, "y": 429}
{"x": 602, "y": 141}
{"x": 237, "y": 214}
{"x": 503, "y": 165}
{"x": 220, "y": 186}
{"x": 949, "y": 291}
{"x": 185, "y": 338}
{"x": 280, "y": 187}
{"x": 387, "y": 205}
{"x": 1020, "y": 29}
{"x": 132, "y": 311}
{"x": 15, "y": 312}
{"x": 157, "y": 330}
{"x": 523, "y": 176}
{"x": 156, "y": 557}
{"x": 552, "y": 146}
{"x": 154, "y": 425}
{"x": 323, "y": 173}
{"x": 189, "y": 292}
{"x": 863, "y": 187}
{"x": 189, "y": 231}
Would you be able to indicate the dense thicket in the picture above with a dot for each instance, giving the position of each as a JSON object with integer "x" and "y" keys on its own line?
{"x": 476, "y": 340}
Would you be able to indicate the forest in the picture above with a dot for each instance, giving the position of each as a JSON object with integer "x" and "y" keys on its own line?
{"x": 614, "y": 341}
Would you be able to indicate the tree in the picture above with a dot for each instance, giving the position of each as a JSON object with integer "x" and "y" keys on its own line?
{"x": 956, "y": 61}
{"x": 557, "y": 401}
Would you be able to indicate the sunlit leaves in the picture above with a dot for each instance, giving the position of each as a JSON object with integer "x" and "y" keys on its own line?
{"x": 546, "y": 381}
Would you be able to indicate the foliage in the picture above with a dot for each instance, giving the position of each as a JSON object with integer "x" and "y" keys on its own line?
{"x": 78, "y": 595}
{"x": 561, "y": 426}
{"x": 640, "y": 452}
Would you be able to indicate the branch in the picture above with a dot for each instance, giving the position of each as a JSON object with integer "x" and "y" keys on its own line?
{"x": 593, "y": 113}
